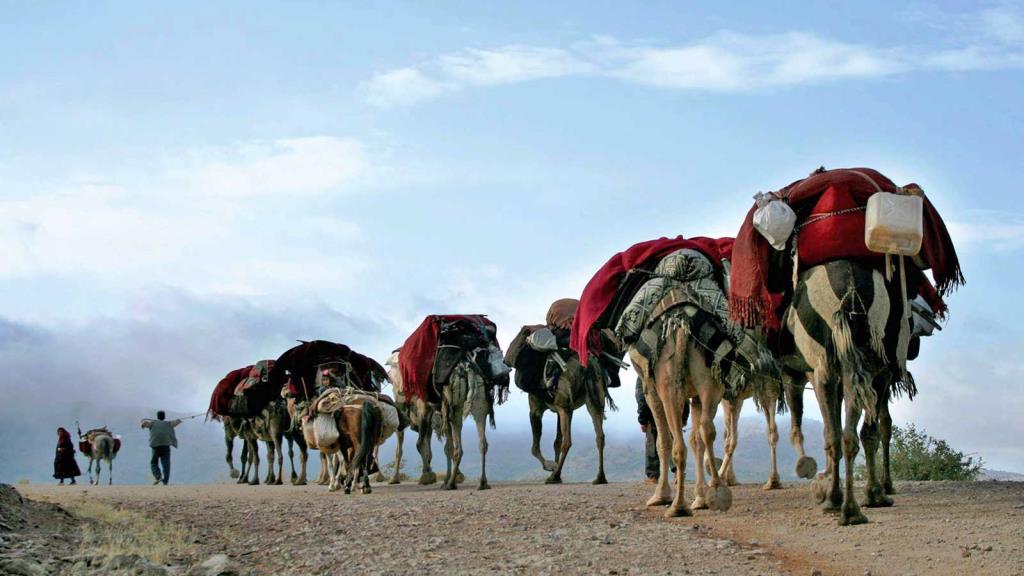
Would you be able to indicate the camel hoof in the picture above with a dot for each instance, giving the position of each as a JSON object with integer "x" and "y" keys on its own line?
{"x": 819, "y": 489}
{"x": 367, "y": 490}
{"x": 549, "y": 466}
{"x": 447, "y": 486}
{"x": 658, "y": 501}
{"x": 878, "y": 500}
{"x": 348, "y": 490}
{"x": 379, "y": 477}
{"x": 852, "y": 518}
{"x": 460, "y": 478}
{"x": 806, "y": 467}
{"x": 889, "y": 490}
{"x": 600, "y": 480}
{"x": 235, "y": 474}
{"x": 721, "y": 498}
{"x": 553, "y": 480}
{"x": 483, "y": 485}
{"x": 240, "y": 481}
{"x": 677, "y": 512}
{"x": 699, "y": 503}
{"x": 332, "y": 488}
{"x": 394, "y": 481}
{"x": 298, "y": 482}
{"x": 254, "y": 483}
{"x": 772, "y": 484}
{"x": 278, "y": 482}
{"x": 428, "y": 478}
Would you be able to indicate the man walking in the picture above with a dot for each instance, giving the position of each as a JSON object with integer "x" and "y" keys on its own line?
{"x": 161, "y": 438}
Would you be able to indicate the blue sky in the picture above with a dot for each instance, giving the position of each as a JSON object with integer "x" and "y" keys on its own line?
{"x": 187, "y": 188}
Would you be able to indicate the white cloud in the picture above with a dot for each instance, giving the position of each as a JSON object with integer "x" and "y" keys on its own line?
{"x": 401, "y": 87}
{"x": 996, "y": 230}
{"x": 297, "y": 166}
{"x": 726, "y": 61}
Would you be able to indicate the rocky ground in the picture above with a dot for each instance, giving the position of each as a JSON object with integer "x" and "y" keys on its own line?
{"x": 935, "y": 528}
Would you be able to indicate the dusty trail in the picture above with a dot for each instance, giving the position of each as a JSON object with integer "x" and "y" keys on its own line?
{"x": 936, "y": 528}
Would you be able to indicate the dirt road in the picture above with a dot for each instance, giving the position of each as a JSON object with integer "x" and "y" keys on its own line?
{"x": 935, "y": 528}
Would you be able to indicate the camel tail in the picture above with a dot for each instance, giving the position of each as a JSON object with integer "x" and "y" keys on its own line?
{"x": 371, "y": 422}
{"x": 850, "y": 325}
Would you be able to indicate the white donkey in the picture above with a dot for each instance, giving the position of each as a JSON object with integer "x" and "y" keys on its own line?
{"x": 101, "y": 447}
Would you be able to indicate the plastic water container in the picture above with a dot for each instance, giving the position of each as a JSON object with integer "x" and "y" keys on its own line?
{"x": 894, "y": 224}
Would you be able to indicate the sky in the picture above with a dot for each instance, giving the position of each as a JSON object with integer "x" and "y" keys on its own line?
{"x": 187, "y": 188}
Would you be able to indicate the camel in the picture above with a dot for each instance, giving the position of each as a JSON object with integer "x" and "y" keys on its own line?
{"x": 102, "y": 447}
{"x": 766, "y": 398}
{"x": 577, "y": 386}
{"x": 273, "y": 427}
{"x": 851, "y": 335}
{"x": 232, "y": 431}
{"x": 464, "y": 394}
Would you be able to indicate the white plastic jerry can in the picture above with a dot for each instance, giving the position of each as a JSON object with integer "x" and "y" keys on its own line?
{"x": 894, "y": 224}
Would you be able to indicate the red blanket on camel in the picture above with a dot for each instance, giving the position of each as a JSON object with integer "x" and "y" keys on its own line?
{"x": 601, "y": 291}
{"x": 220, "y": 400}
{"x": 416, "y": 359}
{"x": 838, "y": 236}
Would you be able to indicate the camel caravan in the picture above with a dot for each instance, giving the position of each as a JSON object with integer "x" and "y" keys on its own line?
{"x": 824, "y": 286}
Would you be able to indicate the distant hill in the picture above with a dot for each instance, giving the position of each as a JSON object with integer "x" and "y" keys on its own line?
{"x": 27, "y": 445}
{"x": 1000, "y": 475}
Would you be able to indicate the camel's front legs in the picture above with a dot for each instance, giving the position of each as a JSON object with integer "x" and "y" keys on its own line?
{"x": 565, "y": 425}
{"x": 396, "y": 476}
{"x": 731, "y": 416}
{"x": 885, "y": 427}
{"x": 229, "y": 442}
{"x": 271, "y": 450}
{"x": 537, "y": 426}
{"x": 481, "y": 435}
{"x": 793, "y": 388}
{"x": 674, "y": 414}
{"x": 597, "y": 416}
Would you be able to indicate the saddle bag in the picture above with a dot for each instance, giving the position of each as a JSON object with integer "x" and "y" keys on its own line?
{"x": 325, "y": 429}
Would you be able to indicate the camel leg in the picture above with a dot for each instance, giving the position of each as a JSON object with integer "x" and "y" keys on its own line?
{"x": 885, "y": 427}
{"x": 332, "y": 472}
{"x": 303, "y": 460}
{"x": 291, "y": 460}
{"x": 423, "y": 445}
{"x": 874, "y": 493}
{"x": 229, "y": 442}
{"x": 662, "y": 492}
{"x": 793, "y": 388}
{"x": 829, "y": 402}
{"x": 254, "y": 462}
{"x": 243, "y": 476}
{"x": 721, "y": 496}
{"x": 851, "y": 513}
{"x": 279, "y": 441}
{"x": 324, "y": 478}
{"x": 597, "y": 416}
{"x": 674, "y": 415}
{"x": 396, "y": 475}
{"x": 110, "y": 465}
{"x": 453, "y": 448}
{"x": 700, "y": 486}
{"x": 380, "y": 469}
{"x": 481, "y": 435}
{"x": 771, "y": 399}
{"x": 565, "y": 425}
{"x": 537, "y": 426}
{"x": 270, "y": 480}
{"x": 731, "y": 416}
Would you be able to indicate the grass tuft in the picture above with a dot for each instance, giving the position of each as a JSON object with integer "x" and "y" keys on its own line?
{"x": 110, "y": 531}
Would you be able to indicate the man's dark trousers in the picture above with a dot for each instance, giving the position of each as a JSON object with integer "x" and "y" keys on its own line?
{"x": 161, "y": 459}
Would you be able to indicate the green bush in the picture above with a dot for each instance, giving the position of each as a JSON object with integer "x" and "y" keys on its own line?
{"x": 915, "y": 455}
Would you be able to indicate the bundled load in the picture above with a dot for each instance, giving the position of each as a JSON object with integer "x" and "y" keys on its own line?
{"x": 319, "y": 423}
{"x": 652, "y": 290}
{"x": 85, "y": 441}
{"x": 845, "y": 214}
{"x": 310, "y": 367}
{"x": 436, "y": 347}
{"x": 539, "y": 352}
{"x": 233, "y": 395}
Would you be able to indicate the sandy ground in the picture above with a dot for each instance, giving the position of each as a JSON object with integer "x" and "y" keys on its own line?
{"x": 935, "y": 528}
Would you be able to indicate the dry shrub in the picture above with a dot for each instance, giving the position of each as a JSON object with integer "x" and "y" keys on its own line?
{"x": 111, "y": 531}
